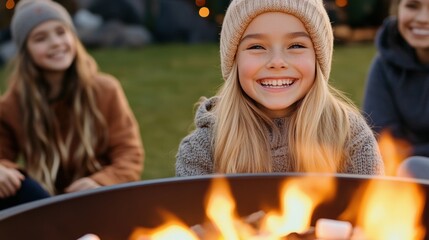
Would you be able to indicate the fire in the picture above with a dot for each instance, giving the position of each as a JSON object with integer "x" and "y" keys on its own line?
{"x": 393, "y": 151}
{"x": 173, "y": 229}
{"x": 299, "y": 198}
{"x": 382, "y": 209}
{"x": 221, "y": 199}
{"x": 390, "y": 211}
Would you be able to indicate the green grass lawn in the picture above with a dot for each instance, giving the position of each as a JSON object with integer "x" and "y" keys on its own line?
{"x": 163, "y": 82}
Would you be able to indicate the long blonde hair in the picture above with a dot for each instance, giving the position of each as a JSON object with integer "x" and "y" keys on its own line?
{"x": 45, "y": 148}
{"x": 317, "y": 130}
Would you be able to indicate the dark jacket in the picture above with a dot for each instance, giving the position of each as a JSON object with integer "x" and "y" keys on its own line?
{"x": 397, "y": 90}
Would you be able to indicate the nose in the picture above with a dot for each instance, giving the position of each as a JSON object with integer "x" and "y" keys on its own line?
{"x": 54, "y": 39}
{"x": 277, "y": 60}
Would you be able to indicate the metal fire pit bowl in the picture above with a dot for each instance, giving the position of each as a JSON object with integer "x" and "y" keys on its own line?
{"x": 114, "y": 212}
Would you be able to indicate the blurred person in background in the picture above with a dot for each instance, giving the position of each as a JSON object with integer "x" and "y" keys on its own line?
{"x": 64, "y": 126}
{"x": 396, "y": 98}
{"x": 7, "y": 47}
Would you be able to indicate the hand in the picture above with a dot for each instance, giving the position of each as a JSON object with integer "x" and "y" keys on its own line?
{"x": 81, "y": 184}
{"x": 10, "y": 181}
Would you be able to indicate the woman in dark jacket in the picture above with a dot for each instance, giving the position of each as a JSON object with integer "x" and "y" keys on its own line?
{"x": 397, "y": 92}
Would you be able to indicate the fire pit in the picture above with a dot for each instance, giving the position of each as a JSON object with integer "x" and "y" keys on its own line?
{"x": 114, "y": 212}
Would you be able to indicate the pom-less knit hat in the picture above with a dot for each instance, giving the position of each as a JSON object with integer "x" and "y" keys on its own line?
{"x": 312, "y": 14}
{"x": 30, "y": 13}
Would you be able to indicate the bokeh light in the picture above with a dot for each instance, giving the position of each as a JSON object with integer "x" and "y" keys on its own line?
{"x": 200, "y": 3}
{"x": 204, "y": 12}
{"x": 10, "y": 4}
{"x": 341, "y": 3}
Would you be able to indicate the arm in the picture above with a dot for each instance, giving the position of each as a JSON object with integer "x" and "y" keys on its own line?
{"x": 125, "y": 149}
{"x": 9, "y": 148}
{"x": 10, "y": 177}
{"x": 10, "y": 181}
{"x": 364, "y": 155}
{"x": 194, "y": 156}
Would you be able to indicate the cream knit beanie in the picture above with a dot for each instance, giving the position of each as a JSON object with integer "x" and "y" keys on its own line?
{"x": 30, "y": 13}
{"x": 311, "y": 12}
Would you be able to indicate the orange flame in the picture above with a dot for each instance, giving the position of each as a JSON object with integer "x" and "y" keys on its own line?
{"x": 173, "y": 228}
{"x": 382, "y": 210}
{"x": 393, "y": 151}
{"x": 391, "y": 211}
{"x": 299, "y": 198}
{"x": 221, "y": 209}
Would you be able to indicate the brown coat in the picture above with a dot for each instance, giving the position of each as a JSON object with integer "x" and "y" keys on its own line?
{"x": 122, "y": 161}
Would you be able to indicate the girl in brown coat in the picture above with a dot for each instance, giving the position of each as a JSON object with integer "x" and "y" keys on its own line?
{"x": 70, "y": 124}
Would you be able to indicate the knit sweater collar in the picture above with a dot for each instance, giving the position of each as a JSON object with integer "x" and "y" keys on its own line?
{"x": 205, "y": 117}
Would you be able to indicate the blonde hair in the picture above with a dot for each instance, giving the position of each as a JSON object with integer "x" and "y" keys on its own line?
{"x": 46, "y": 148}
{"x": 317, "y": 131}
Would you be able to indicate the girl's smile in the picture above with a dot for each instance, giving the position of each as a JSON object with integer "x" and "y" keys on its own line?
{"x": 276, "y": 62}
{"x": 277, "y": 83}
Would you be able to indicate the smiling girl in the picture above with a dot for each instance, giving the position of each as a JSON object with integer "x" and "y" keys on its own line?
{"x": 70, "y": 124}
{"x": 276, "y": 111}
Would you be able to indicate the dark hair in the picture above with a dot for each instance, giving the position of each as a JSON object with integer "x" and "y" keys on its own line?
{"x": 394, "y": 7}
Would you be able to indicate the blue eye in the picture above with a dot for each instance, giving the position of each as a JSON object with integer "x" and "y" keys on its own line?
{"x": 256, "y": 47}
{"x": 296, "y": 45}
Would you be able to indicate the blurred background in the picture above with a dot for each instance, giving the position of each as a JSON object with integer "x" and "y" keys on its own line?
{"x": 165, "y": 53}
{"x": 135, "y": 23}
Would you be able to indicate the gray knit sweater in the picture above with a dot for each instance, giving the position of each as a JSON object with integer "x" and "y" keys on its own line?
{"x": 195, "y": 155}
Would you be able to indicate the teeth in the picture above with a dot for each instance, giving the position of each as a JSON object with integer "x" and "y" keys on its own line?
{"x": 420, "y": 31}
{"x": 57, "y": 55}
{"x": 277, "y": 83}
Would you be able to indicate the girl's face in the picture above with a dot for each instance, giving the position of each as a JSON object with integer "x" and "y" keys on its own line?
{"x": 276, "y": 62}
{"x": 52, "y": 46}
{"x": 413, "y": 23}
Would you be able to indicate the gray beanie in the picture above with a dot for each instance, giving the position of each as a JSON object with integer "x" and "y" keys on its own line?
{"x": 30, "y": 13}
{"x": 311, "y": 12}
